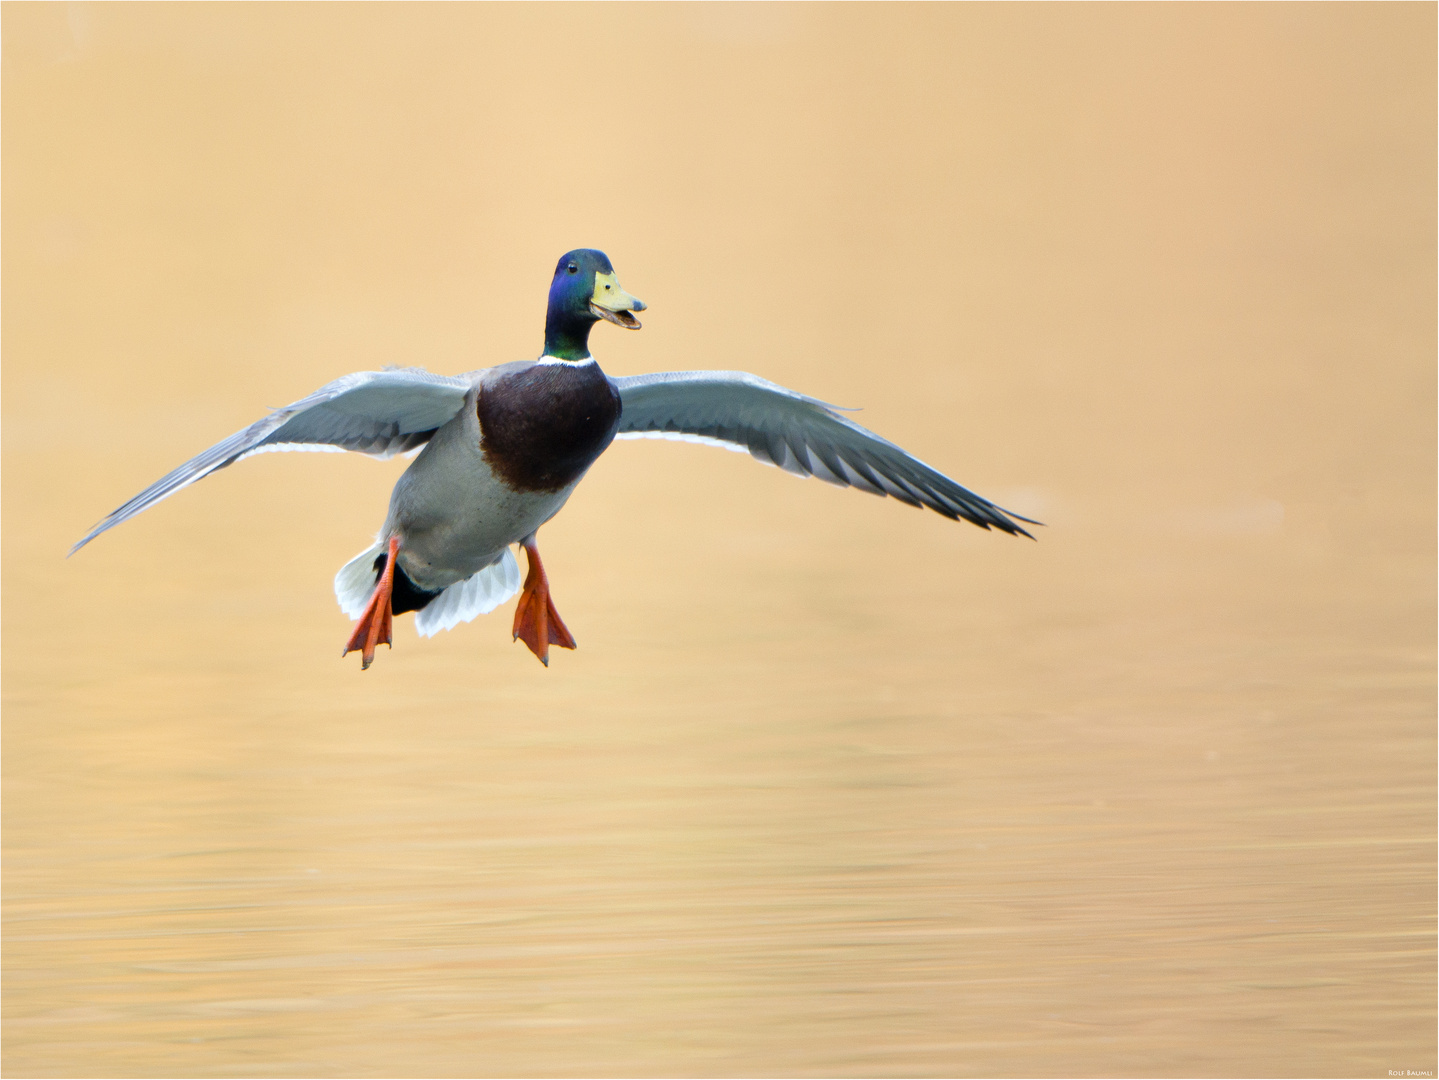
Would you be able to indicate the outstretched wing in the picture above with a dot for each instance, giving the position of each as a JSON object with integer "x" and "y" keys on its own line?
{"x": 797, "y": 433}
{"x": 373, "y": 412}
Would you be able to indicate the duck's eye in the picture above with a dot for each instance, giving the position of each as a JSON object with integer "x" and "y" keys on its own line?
{"x": 607, "y": 288}
{"x": 572, "y": 268}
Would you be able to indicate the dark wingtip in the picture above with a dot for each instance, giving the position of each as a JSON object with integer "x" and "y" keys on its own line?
{"x": 1020, "y": 530}
{"x": 1010, "y": 527}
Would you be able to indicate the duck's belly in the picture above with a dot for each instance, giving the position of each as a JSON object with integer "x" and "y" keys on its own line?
{"x": 455, "y": 516}
{"x": 501, "y": 468}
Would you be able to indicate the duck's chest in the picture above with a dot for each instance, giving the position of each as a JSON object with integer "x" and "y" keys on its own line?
{"x": 543, "y": 426}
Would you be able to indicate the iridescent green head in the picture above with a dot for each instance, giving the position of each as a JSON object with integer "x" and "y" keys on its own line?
{"x": 584, "y": 292}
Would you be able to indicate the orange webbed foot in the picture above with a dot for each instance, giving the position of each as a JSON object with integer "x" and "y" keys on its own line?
{"x": 377, "y": 621}
{"x": 537, "y": 623}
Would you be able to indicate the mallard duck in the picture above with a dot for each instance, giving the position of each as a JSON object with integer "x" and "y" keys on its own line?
{"x": 501, "y": 449}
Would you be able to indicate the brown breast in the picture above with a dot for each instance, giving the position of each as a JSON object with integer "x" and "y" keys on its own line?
{"x": 543, "y": 426}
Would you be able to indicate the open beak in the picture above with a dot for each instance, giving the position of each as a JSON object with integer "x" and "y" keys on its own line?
{"x": 613, "y": 304}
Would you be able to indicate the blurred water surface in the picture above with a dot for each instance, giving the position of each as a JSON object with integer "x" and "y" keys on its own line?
{"x": 832, "y": 786}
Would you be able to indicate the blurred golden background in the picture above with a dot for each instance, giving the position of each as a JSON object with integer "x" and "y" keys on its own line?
{"x": 832, "y": 786}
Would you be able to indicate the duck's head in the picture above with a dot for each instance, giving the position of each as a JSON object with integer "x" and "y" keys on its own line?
{"x": 583, "y": 292}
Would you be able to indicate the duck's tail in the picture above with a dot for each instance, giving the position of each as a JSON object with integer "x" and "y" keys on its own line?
{"x": 478, "y": 594}
{"x": 356, "y": 580}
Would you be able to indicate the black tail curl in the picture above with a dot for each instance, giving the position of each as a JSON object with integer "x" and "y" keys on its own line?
{"x": 406, "y": 596}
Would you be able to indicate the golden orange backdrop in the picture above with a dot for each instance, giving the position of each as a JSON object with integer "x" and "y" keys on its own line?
{"x": 832, "y": 786}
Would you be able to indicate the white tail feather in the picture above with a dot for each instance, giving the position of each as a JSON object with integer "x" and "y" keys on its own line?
{"x": 476, "y": 595}
{"x": 356, "y": 580}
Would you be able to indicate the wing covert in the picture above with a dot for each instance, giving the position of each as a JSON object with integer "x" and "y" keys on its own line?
{"x": 380, "y": 413}
{"x": 800, "y": 434}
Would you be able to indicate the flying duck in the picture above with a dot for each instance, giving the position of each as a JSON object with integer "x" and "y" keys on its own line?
{"x": 501, "y": 449}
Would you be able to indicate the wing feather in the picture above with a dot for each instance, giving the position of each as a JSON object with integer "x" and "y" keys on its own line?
{"x": 797, "y": 433}
{"x": 380, "y": 413}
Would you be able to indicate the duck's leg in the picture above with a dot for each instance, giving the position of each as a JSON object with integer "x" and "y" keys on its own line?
{"x": 537, "y": 623}
{"x": 377, "y": 621}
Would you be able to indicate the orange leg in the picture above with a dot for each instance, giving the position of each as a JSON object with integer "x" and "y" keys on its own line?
{"x": 377, "y": 621}
{"x": 537, "y": 623}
